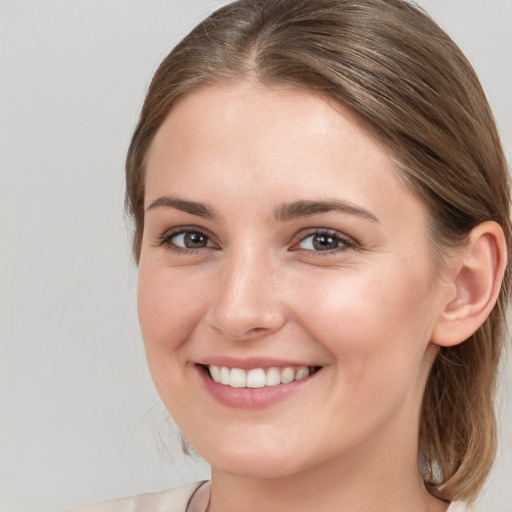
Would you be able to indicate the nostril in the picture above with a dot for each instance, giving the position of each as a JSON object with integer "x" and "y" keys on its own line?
{"x": 244, "y": 327}
{"x": 245, "y": 306}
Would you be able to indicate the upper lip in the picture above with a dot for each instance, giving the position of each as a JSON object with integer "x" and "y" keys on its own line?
{"x": 250, "y": 363}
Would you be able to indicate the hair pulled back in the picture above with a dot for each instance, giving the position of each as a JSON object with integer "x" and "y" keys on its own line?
{"x": 406, "y": 79}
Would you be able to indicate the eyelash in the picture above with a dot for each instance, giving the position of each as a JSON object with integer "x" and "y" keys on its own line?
{"x": 345, "y": 242}
{"x": 166, "y": 240}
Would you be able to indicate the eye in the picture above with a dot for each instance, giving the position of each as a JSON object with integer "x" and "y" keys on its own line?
{"x": 185, "y": 240}
{"x": 325, "y": 241}
{"x": 190, "y": 240}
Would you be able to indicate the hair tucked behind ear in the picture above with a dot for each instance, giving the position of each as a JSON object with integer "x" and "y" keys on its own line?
{"x": 400, "y": 73}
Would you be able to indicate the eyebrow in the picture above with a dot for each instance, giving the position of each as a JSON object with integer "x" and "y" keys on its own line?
{"x": 284, "y": 212}
{"x": 298, "y": 209}
{"x": 194, "y": 208}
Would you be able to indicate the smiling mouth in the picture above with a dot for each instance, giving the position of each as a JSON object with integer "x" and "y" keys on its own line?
{"x": 258, "y": 377}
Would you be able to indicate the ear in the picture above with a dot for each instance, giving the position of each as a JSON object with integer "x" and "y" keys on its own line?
{"x": 474, "y": 284}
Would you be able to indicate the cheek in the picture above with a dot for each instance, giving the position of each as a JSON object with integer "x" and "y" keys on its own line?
{"x": 377, "y": 330}
{"x": 169, "y": 308}
{"x": 368, "y": 320}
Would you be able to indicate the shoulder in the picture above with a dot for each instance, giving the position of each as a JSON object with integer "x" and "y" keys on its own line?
{"x": 459, "y": 506}
{"x": 173, "y": 500}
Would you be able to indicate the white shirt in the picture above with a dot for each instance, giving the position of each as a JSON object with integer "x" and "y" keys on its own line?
{"x": 194, "y": 496}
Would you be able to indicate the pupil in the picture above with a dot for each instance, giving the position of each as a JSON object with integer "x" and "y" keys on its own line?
{"x": 193, "y": 240}
{"x": 325, "y": 242}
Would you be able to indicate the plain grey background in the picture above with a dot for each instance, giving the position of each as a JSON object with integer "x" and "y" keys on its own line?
{"x": 80, "y": 421}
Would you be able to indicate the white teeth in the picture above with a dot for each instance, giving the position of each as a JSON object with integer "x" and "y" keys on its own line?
{"x": 287, "y": 375}
{"x": 273, "y": 377}
{"x": 215, "y": 373}
{"x": 257, "y": 377}
{"x": 237, "y": 378}
{"x": 302, "y": 373}
{"x": 224, "y": 376}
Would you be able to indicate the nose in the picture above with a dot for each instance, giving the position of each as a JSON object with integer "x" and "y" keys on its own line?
{"x": 248, "y": 303}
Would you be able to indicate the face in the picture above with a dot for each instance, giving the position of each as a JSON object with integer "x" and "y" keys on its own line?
{"x": 287, "y": 293}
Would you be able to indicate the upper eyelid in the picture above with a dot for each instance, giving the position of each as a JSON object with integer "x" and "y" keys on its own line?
{"x": 185, "y": 229}
{"x": 328, "y": 231}
{"x": 298, "y": 237}
{"x": 168, "y": 234}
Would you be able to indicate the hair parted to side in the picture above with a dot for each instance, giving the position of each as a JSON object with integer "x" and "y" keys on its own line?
{"x": 398, "y": 71}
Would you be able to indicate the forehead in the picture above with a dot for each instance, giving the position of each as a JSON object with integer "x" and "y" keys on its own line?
{"x": 261, "y": 126}
{"x": 222, "y": 102}
{"x": 246, "y": 140}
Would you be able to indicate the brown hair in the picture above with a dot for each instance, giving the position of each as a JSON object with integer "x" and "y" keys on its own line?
{"x": 399, "y": 72}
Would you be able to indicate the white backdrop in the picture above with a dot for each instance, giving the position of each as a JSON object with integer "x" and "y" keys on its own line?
{"x": 80, "y": 421}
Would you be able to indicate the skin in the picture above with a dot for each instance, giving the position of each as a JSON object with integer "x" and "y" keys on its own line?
{"x": 364, "y": 311}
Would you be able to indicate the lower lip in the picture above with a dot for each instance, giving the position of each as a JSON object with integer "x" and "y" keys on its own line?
{"x": 251, "y": 398}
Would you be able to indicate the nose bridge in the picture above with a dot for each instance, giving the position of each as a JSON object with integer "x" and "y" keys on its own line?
{"x": 247, "y": 303}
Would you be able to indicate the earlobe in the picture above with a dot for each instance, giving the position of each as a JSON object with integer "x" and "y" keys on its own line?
{"x": 476, "y": 281}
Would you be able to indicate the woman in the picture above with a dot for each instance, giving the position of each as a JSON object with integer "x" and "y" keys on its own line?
{"x": 321, "y": 210}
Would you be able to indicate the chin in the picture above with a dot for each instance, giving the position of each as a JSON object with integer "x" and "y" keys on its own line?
{"x": 251, "y": 460}
{"x": 255, "y": 468}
